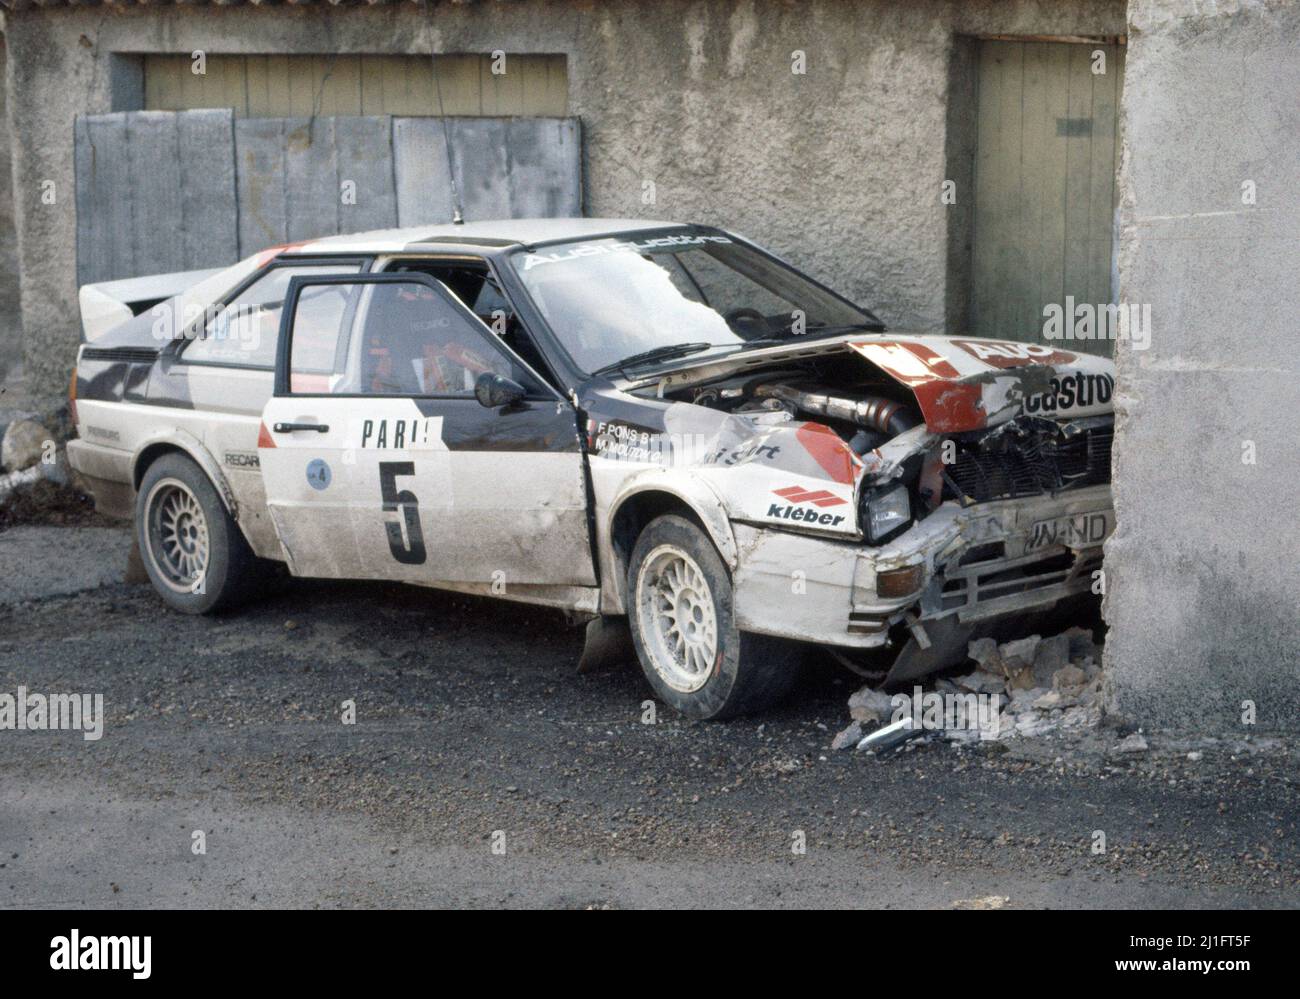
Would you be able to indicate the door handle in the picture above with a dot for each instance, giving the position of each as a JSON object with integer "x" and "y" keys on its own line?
{"x": 284, "y": 428}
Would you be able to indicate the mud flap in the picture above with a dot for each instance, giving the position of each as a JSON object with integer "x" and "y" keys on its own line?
{"x": 135, "y": 571}
{"x": 939, "y": 645}
{"x": 608, "y": 643}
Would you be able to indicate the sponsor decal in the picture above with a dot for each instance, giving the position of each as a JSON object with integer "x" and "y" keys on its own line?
{"x": 242, "y": 459}
{"x": 746, "y": 452}
{"x": 1076, "y": 391}
{"x": 1011, "y": 354}
{"x": 618, "y": 246}
{"x": 827, "y": 449}
{"x": 396, "y": 435}
{"x": 818, "y": 497}
{"x": 318, "y": 474}
{"x": 796, "y": 495}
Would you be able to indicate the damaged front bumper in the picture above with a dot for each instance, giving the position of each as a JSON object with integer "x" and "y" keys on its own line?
{"x": 959, "y": 568}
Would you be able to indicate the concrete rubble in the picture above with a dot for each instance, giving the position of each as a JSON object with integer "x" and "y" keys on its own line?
{"x": 1037, "y": 686}
{"x": 24, "y": 446}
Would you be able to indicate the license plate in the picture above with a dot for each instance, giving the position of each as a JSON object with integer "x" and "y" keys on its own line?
{"x": 1075, "y": 530}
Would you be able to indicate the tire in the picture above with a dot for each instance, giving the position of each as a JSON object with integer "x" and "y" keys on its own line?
{"x": 185, "y": 534}
{"x": 709, "y": 670}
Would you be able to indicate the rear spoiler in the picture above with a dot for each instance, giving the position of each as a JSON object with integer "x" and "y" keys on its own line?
{"x": 107, "y": 305}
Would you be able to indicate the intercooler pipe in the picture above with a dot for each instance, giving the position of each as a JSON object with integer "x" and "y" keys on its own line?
{"x": 873, "y": 412}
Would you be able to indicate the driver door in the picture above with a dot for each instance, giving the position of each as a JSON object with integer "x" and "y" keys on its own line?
{"x": 379, "y": 461}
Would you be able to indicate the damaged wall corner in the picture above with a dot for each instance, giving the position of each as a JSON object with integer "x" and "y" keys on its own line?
{"x": 1204, "y": 568}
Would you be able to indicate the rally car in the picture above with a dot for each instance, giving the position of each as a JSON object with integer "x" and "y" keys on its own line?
{"x": 646, "y": 423}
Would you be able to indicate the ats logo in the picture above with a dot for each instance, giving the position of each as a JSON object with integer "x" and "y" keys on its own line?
{"x": 795, "y": 495}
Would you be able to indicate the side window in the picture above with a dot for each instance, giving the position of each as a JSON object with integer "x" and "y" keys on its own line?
{"x": 390, "y": 338}
{"x": 245, "y": 331}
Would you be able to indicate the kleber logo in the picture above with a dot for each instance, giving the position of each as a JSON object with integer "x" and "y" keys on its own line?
{"x": 817, "y": 497}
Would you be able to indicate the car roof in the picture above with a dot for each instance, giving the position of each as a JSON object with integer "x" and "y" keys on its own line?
{"x": 495, "y": 234}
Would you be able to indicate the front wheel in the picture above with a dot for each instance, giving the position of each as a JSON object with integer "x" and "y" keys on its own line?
{"x": 683, "y": 626}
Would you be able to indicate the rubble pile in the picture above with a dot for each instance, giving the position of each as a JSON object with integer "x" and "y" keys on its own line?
{"x": 1029, "y": 687}
{"x": 29, "y": 454}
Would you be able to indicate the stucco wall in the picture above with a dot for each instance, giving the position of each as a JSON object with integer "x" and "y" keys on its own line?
{"x": 1204, "y": 572}
{"x": 10, "y": 323}
{"x": 839, "y": 169}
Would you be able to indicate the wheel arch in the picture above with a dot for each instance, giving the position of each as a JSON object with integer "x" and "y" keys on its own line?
{"x": 180, "y": 442}
{"x": 636, "y": 507}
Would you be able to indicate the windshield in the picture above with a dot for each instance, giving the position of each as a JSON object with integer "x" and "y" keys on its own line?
{"x": 609, "y": 300}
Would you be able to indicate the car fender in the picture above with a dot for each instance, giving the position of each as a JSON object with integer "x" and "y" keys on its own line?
{"x": 192, "y": 447}
{"x": 690, "y": 490}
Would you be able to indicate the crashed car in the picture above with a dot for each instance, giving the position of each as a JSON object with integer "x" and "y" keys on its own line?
{"x": 660, "y": 428}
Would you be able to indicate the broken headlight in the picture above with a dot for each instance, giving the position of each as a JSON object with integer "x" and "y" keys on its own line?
{"x": 885, "y": 512}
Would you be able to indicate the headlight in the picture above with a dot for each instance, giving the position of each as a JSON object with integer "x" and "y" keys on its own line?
{"x": 885, "y": 511}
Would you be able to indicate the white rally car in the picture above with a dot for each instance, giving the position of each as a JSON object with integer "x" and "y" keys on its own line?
{"x": 635, "y": 421}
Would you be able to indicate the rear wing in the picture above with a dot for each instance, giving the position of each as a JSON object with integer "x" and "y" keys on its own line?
{"x": 107, "y": 305}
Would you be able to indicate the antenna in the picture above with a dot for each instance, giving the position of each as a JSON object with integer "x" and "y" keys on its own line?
{"x": 458, "y": 217}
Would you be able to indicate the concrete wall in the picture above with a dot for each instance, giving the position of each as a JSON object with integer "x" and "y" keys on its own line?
{"x": 840, "y": 169}
{"x": 11, "y": 345}
{"x": 1204, "y": 573}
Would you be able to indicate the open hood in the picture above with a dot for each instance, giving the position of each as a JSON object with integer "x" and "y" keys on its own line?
{"x": 969, "y": 384}
{"x": 960, "y": 383}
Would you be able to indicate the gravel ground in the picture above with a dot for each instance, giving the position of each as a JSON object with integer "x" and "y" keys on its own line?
{"x": 473, "y": 732}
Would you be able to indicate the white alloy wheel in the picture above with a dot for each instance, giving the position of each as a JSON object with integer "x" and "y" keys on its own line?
{"x": 178, "y": 535}
{"x": 678, "y": 620}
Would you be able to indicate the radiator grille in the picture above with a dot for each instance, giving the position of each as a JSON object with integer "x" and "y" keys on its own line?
{"x": 1032, "y": 458}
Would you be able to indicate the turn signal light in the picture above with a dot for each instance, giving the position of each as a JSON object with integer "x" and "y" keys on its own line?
{"x": 900, "y": 582}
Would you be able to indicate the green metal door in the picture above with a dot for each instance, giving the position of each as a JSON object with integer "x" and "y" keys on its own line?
{"x": 1047, "y": 152}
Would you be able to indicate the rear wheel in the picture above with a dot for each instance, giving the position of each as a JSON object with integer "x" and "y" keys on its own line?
{"x": 191, "y": 547}
{"x": 681, "y": 615}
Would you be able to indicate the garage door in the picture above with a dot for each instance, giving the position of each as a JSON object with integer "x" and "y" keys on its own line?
{"x": 1045, "y": 191}
{"x": 288, "y": 86}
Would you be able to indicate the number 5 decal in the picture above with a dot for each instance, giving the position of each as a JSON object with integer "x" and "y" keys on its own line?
{"x": 411, "y": 551}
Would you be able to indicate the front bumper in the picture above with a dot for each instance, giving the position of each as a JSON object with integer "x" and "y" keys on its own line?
{"x": 976, "y": 564}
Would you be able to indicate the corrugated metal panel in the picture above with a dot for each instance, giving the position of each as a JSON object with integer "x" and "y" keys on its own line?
{"x": 505, "y": 168}
{"x": 162, "y": 191}
{"x": 155, "y": 192}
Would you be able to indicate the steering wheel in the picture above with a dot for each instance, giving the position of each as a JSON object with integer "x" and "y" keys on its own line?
{"x": 745, "y": 315}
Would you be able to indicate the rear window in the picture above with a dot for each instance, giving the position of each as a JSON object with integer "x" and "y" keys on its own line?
{"x": 244, "y": 332}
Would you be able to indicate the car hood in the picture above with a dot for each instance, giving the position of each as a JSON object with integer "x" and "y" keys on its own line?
{"x": 960, "y": 383}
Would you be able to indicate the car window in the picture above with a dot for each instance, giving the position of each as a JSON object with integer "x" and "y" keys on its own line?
{"x": 246, "y": 329}
{"x": 610, "y": 299}
{"x": 391, "y": 338}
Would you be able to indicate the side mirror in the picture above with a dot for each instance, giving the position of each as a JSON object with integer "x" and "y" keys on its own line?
{"x": 495, "y": 391}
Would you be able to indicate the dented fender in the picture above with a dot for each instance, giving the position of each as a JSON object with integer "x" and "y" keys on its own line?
{"x": 688, "y": 489}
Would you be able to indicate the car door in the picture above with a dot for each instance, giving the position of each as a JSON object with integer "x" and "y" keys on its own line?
{"x": 379, "y": 461}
